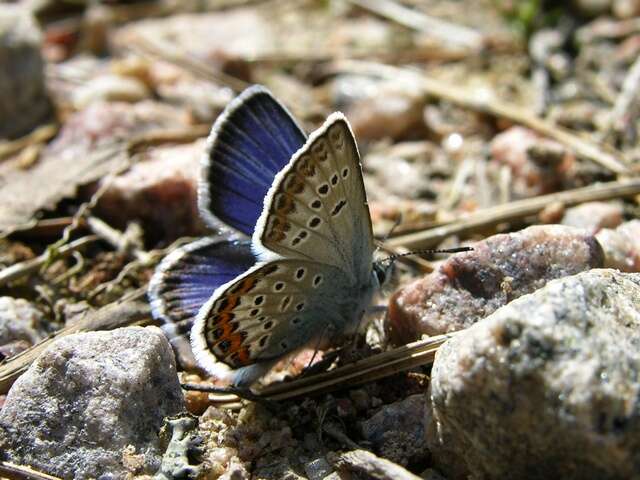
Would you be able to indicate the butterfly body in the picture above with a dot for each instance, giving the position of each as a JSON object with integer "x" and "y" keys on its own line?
{"x": 311, "y": 238}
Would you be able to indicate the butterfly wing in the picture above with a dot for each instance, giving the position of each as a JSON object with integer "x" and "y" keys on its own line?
{"x": 188, "y": 276}
{"x": 317, "y": 207}
{"x": 249, "y": 144}
{"x": 274, "y": 308}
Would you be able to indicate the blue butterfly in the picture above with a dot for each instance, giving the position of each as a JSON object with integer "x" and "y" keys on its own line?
{"x": 306, "y": 277}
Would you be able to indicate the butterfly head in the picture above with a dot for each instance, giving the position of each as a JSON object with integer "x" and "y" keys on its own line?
{"x": 382, "y": 270}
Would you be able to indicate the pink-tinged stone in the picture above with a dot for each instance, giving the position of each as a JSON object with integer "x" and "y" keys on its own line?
{"x": 469, "y": 286}
{"x": 537, "y": 165}
{"x": 594, "y": 216}
{"x": 91, "y": 145}
{"x": 621, "y": 246}
{"x": 160, "y": 191}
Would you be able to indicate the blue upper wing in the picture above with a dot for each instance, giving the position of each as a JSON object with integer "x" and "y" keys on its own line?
{"x": 251, "y": 141}
{"x": 188, "y": 276}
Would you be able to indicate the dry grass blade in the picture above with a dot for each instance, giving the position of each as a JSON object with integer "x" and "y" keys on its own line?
{"x": 39, "y": 135}
{"x": 155, "y": 47}
{"x": 447, "y": 31}
{"x": 21, "y": 269}
{"x": 11, "y": 471}
{"x": 515, "y": 210}
{"x": 363, "y": 371}
{"x": 434, "y": 88}
{"x": 114, "y": 315}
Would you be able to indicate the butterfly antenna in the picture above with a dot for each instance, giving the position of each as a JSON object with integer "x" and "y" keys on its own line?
{"x": 393, "y": 258}
{"x": 395, "y": 225}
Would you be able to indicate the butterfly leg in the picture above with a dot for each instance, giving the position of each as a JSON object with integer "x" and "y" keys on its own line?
{"x": 327, "y": 333}
{"x": 373, "y": 309}
{"x": 242, "y": 392}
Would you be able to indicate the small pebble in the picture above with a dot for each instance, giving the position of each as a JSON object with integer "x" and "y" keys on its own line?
{"x": 621, "y": 246}
{"x": 594, "y": 216}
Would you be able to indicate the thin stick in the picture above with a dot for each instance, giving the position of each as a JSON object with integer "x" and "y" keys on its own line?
{"x": 491, "y": 106}
{"x": 515, "y": 210}
{"x": 39, "y": 135}
{"x": 367, "y": 370}
{"x": 414, "y": 19}
{"x": 19, "y": 270}
{"x": 626, "y": 106}
{"x": 372, "y": 368}
{"x": 12, "y": 471}
{"x": 120, "y": 241}
{"x": 118, "y": 314}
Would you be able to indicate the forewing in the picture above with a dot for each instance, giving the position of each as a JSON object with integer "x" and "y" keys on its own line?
{"x": 317, "y": 208}
{"x": 188, "y": 276}
{"x": 250, "y": 142}
{"x": 273, "y": 309}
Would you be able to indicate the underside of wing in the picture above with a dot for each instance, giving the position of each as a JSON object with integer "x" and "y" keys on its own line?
{"x": 251, "y": 141}
{"x": 317, "y": 207}
{"x": 188, "y": 276}
{"x": 272, "y": 310}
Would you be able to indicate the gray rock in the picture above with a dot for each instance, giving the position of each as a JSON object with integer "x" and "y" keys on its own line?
{"x": 86, "y": 398}
{"x": 23, "y": 101}
{"x": 396, "y": 432}
{"x": 20, "y": 320}
{"x": 545, "y": 387}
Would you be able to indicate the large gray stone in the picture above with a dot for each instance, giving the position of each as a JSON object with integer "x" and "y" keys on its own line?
{"x": 545, "y": 387}
{"x": 86, "y": 398}
{"x": 23, "y": 101}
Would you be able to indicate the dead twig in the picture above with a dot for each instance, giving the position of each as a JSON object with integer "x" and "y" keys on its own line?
{"x": 117, "y": 239}
{"x": 515, "y": 210}
{"x": 447, "y": 31}
{"x": 625, "y": 109}
{"x": 367, "y": 370}
{"x": 19, "y": 270}
{"x": 118, "y": 314}
{"x": 39, "y": 135}
{"x": 12, "y": 471}
{"x": 491, "y": 106}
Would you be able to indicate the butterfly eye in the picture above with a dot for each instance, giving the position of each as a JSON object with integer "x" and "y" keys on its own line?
{"x": 380, "y": 273}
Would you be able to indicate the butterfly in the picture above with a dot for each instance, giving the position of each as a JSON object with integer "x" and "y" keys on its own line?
{"x": 306, "y": 277}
